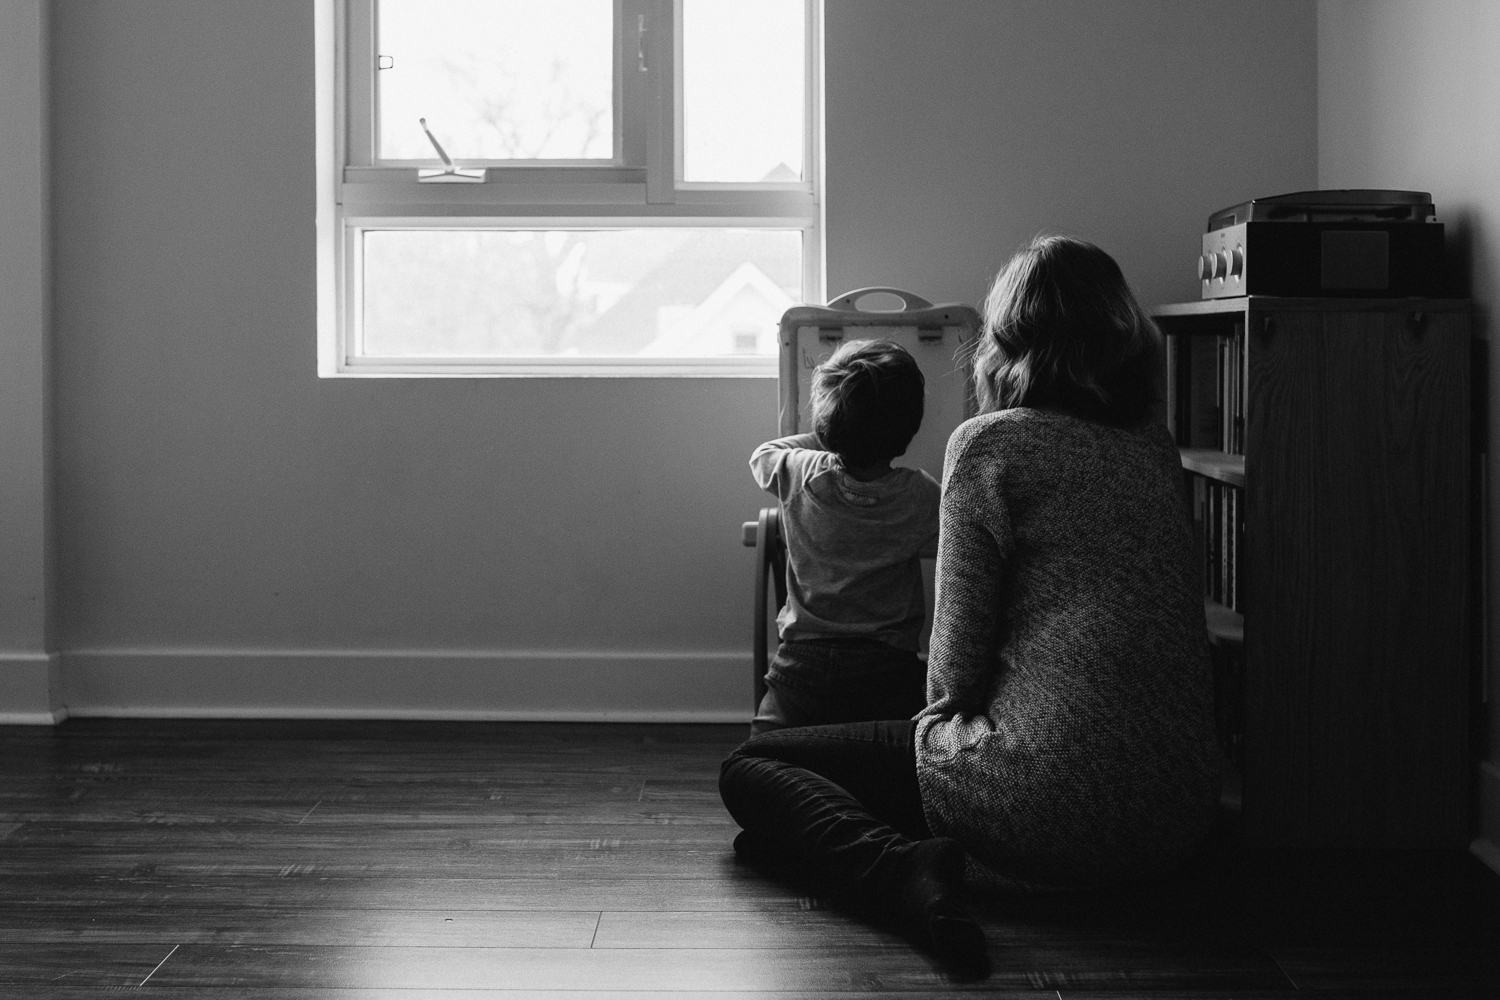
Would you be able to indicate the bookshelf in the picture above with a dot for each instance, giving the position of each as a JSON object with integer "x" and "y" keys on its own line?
{"x": 1325, "y": 454}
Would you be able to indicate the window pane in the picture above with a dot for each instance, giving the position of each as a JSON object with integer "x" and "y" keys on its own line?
{"x": 744, "y": 75}
{"x": 664, "y": 293}
{"x": 497, "y": 79}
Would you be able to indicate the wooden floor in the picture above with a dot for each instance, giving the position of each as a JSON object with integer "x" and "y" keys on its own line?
{"x": 343, "y": 860}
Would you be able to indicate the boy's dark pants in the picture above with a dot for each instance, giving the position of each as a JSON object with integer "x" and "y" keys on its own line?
{"x": 823, "y": 682}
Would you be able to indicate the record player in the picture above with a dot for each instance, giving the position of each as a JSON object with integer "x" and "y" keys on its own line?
{"x": 1331, "y": 244}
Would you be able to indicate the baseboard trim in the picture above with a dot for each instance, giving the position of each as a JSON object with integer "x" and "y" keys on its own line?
{"x": 467, "y": 685}
{"x": 33, "y": 718}
{"x": 29, "y": 694}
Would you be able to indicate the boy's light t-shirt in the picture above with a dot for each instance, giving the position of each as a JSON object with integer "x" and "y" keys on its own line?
{"x": 853, "y": 548}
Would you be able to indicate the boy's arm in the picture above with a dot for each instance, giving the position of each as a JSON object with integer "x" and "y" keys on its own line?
{"x": 932, "y": 498}
{"x": 774, "y": 463}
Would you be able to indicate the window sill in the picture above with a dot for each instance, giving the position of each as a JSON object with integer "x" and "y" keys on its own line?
{"x": 756, "y": 367}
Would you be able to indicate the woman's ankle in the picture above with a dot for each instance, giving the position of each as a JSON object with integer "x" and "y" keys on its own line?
{"x": 926, "y": 900}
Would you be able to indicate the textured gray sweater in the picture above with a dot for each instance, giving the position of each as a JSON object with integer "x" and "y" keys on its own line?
{"x": 1069, "y": 735}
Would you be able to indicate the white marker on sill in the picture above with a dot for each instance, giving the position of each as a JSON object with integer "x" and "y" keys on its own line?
{"x": 450, "y": 174}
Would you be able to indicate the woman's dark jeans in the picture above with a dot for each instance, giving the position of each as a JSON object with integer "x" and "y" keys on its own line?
{"x": 844, "y": 798}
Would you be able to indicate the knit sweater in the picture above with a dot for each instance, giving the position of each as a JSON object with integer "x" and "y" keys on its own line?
{"x": 1069, "y": 735}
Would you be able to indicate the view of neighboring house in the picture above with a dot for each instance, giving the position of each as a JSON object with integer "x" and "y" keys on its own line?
{"x": 738, "y": 317}
{"x": 716, "y": 294}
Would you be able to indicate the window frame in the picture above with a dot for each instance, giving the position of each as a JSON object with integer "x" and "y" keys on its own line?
{"x": 641, "y": 187}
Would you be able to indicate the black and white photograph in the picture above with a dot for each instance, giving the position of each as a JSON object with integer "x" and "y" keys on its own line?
{"x": 749, "y": 499}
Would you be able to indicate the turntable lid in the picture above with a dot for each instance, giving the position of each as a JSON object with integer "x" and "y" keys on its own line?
{"x": 1337, "y": 205}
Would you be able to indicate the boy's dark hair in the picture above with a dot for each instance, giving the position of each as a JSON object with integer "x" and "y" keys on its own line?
{"x": 1062, "y": 329}
{"x": 866, "y": 401}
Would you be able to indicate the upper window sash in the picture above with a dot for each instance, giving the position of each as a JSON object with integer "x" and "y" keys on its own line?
{"x": 647, "y": 166}
{"x": 362, "y": 39}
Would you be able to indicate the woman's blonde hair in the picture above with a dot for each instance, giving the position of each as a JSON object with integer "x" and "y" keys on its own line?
{"x": 1062, "y": 329}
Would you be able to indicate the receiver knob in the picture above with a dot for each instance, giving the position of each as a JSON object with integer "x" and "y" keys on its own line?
{"x": 1237, "y": 262}
{"x": 1205, "y": 266}
{"x": 1223, "y": 268}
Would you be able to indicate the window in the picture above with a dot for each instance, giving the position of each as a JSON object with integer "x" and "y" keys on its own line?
{"x": 575, "y": 187}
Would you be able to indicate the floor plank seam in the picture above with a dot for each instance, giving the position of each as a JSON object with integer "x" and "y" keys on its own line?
{"x": 159, "y": 965}
{"x": 1281, "y": 968}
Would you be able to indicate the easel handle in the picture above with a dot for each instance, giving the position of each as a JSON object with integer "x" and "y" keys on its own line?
{"x": 909, "y": 302}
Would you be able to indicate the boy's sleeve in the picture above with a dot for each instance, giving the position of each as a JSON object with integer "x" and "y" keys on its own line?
{"x": 776, "y": 465}
{"x": 973, "y": 551}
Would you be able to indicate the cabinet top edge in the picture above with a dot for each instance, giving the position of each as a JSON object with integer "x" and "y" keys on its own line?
{"x": 1262, "y": 303}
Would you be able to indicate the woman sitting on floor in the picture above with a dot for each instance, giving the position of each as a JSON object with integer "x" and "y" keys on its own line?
{"x": 1068, "y": 739}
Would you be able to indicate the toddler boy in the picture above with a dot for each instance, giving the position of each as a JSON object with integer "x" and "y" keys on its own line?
{"x": 855, "y": 531}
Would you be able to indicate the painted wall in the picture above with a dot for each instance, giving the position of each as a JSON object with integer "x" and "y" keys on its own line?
{"x": 27, "y": 672}
{"x": 957, "y": 131}
{"x": 218, "y": 501}
{"x": 1409, "y": 97}
{"x": 238, "y": 536}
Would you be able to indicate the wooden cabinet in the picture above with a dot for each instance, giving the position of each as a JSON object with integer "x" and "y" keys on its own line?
{"x": 1351, "y": 562}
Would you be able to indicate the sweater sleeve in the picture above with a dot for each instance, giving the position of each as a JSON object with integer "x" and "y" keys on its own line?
{"x": 775, "y": 465}
{"x": 973, "y": 548}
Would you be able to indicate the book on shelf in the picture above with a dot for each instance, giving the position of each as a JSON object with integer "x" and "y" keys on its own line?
{"x": 1206, "y": 390}
{"x": 1207, "y": 383}
{"x": 1231, "y": 391}
{"x": 1208, "y": 528}
{"x": 1219, "y": 527}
